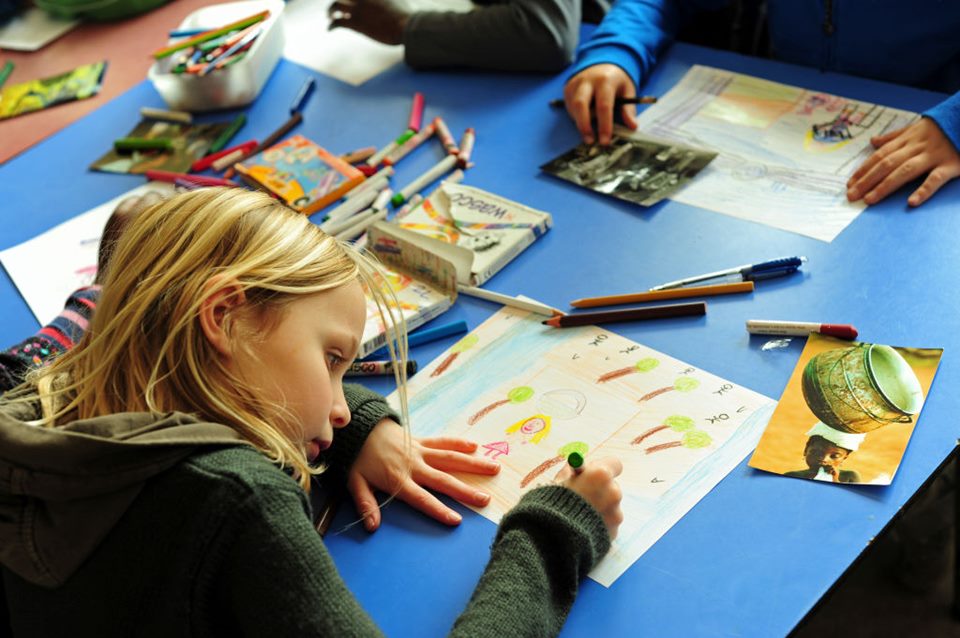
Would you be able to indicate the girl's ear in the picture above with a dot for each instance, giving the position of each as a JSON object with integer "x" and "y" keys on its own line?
{"x": 221, "y": 296}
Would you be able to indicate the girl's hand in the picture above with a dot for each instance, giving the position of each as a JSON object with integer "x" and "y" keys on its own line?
{"x": 597, "y": 486}
{"x": 596, "y": 88}
{"x": 383, "y": 465}
{"x": 903, "y": 155}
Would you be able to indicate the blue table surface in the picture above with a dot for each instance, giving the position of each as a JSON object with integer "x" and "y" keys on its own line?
{"x": 759, "y": 550}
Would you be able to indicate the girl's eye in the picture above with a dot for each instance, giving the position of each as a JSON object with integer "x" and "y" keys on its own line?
{"x": 334, "y": 360}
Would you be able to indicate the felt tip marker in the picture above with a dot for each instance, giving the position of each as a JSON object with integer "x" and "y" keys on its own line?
{"x": 575, "y": 461}
{"x": 297, "y": 105}
{"x": 800, "y": 329}
{"x": 416, "y": 113}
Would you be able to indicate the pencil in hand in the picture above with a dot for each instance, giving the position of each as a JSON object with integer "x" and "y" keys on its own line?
{"x": 620, "y": 101}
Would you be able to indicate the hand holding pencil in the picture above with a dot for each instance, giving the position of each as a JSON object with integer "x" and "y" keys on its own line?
{"x": 600, "y": 85}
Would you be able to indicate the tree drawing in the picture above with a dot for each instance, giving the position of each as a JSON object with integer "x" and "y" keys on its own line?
{"x": 575, "y": 446}
{"x": 643, "y": 365}
{"x": 683, "y": 384}
{"x": 516, "y": 395}
{"x": 675, "y": 422}
{"x": 692, "y": 440}
{"x": 464, "y": 344}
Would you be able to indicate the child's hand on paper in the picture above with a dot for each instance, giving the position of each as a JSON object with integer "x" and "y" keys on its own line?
{"x": 599, "y": 85}
{"x": 381, "y": 20}
{"x": 121, "y": 217}
{"x": 597, "y": 485}
{"x": 903, "y": 155}
{"x": 384, "y": 465}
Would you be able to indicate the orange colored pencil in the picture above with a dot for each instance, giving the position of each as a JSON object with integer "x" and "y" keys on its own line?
{"x": 661, "y": 295}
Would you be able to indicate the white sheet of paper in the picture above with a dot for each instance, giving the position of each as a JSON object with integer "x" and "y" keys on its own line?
{"x": 343, "y": 54}
{"x": 49, "y": 267}
{"x": 33, "y": 29}
{"x": 525, "y": 392}
{"x": 785, "y": 153}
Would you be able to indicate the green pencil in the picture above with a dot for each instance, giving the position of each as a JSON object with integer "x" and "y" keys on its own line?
{"x": 6, "y": 71}
{"x": 209, "y": 35}
{"x": 228, "y": 133}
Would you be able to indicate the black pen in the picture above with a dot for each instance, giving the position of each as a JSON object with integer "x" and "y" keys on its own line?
{"x": 620, "y": 101}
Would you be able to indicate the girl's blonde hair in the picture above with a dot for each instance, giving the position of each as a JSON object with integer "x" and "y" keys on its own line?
{"x": 146, "y": 351}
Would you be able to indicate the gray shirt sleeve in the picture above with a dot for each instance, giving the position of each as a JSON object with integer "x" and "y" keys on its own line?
{"x": 515, "y": 35}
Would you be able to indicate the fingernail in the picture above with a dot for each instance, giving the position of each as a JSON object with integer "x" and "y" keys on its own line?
{"x": 483, "y": 497}
{"x": 870, "y": 198}
{"x": 453, "y": 517}
{"x": 852, "y": 194}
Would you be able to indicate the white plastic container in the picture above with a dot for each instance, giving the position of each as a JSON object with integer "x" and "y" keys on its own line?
{"x": 236, "y": 85}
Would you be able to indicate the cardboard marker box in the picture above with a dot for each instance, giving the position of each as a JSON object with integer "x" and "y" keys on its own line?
{"x": 232, "y": 86}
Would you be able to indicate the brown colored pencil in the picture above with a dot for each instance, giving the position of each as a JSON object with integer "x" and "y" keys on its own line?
{"x": 629, "y": 314}
{"x": 662, "y": 295}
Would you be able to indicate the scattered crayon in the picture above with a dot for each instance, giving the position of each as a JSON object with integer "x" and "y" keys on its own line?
{"x": 416, "y": 113}
{"x": 125, "y": 144}
{"x": 228, "y": 133}
{"x": 166, "y": 116}
{"x": 446, "y": 137}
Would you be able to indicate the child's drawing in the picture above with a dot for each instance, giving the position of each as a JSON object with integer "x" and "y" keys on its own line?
{"x": 531, "y": 429}
{"x": 515, "y": 395}
{"x": 545, "y": 389}
{"x": 464, "y": 344}
{"x": 681, "y": 384}
{"x": 576, "y": 446}
{"x": 643, "y": 365}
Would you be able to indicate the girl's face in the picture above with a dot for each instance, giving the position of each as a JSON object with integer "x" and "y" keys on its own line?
{"x": 302, "y": 359}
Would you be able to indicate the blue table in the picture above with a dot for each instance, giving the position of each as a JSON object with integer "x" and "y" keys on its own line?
{"x": 757, "y": 553}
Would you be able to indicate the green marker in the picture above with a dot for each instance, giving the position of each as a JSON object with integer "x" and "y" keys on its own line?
{"x": 228, "y": 133}
{"x": 6, "y": 71}
{"x": 575, "y": 461}
{"x": 143, "y": 144}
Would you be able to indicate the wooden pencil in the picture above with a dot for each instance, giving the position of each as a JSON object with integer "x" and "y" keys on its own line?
{"x": 663, "y": 295}
{"x": 629, "y": 314}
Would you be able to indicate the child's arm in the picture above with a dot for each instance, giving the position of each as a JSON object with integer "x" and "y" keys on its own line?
{"x": 59, "y": 335}
{"x": 550, "y": 540}
{"x": 927, "y": 147}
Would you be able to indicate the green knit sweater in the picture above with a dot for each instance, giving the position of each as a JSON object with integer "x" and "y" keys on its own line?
{"x": 220, "y": 543}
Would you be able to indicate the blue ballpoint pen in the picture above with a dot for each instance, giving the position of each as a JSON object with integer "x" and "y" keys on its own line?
{"x": 746, "y": 272}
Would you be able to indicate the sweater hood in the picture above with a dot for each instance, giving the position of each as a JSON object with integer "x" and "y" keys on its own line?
{"x": 63, "y": 489}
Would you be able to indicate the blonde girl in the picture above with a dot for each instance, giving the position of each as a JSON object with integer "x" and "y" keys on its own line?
{"x": 153, "y": 479}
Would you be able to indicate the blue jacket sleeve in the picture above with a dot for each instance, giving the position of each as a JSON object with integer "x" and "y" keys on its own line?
{"x": 635, "y": 32}
{"x": 947, "y": 116}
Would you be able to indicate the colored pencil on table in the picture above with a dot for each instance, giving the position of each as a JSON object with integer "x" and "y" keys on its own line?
{"x": 630, "y": 314}
{"x": 507, "y": 300}
{"x": 209, "y": 35}
{"x": 227, "y": 134}
{"x": 662, "y": 295}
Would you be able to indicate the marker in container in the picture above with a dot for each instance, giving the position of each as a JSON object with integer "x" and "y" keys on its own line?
{"x": 800, "y": 328}
{"x": 444, "y": 166}
{"x": 446, "y": 137}
{"x": 466, "y": 147}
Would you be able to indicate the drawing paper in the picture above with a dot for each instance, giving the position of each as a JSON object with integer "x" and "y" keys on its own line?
{"x": 785, "y": 153}
{"x": 529, "y": 394}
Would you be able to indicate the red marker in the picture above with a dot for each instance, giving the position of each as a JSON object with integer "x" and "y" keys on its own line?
{"x": 200, "y": 180}
{"x": 801, "y": 329}
{"x": 416, "y": 113}
{"x": 207, "y": 161}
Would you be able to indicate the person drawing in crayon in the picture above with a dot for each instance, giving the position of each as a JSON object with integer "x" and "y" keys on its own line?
{"x": 825, "y": 451}
{"x": 507, "y": 35}
{"x": 216, "y": 355}
{"x": 621, "y": 53}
